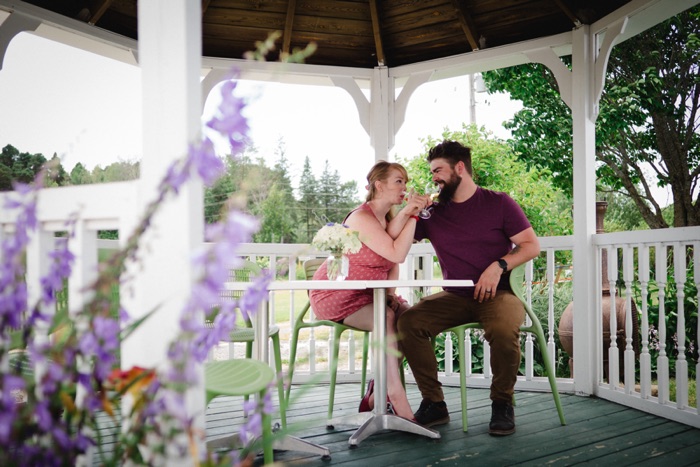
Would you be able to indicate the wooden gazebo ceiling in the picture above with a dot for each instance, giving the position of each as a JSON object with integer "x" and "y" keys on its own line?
{"x": 358, "y": 33}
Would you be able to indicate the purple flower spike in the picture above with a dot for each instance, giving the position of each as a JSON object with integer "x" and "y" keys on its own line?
{"x": 230, "y": 120}
{"x": 205, "y": 161}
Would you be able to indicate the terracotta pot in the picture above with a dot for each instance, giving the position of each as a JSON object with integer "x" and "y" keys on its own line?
{"x": 566, "y": 332}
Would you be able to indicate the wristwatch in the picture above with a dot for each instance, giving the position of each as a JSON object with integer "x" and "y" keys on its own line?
{"x": 503, "y": 264}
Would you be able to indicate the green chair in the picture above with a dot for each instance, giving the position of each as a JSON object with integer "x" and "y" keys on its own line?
{"x": 517, "y": 278}
{"x": 310, "y": 267}
{"x": 241, "y": 377}
{"x": 246, "y": 333}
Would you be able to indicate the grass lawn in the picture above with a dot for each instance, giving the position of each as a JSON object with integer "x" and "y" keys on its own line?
{"x": 692, "y": 391}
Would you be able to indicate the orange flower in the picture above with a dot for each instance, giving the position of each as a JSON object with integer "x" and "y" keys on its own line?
{"x": 133, "y": 380}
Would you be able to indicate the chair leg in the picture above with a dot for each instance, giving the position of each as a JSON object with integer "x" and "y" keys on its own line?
{"x": 280, "y": 379}
{"x": 333, "y": 369}
{"x": 248, "y": 355}
{"x": 268, "y": 452}
{"x": 292, "y": 359}
{"x": 462, "y": 376}
{"x": 550, "y": 373}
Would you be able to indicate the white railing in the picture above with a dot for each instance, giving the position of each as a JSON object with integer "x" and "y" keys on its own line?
{"x": 651, "y": 271}
{"x": 647, "y": 266}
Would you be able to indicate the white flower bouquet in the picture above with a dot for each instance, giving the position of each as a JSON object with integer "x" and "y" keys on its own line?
{"x": 337, "y": 238}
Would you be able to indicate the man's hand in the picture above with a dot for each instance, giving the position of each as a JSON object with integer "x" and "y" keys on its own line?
{"x": 485, "y": 288}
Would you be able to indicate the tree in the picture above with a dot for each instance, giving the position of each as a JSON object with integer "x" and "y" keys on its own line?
{"x": 648, "y": 121}
{"x": 336, "y": 198}
{"x": 496, "y": 168}
{"x": 80, "y": 175}
{"x": 277, "y": 220}
{"x": 5, "y": 178}
{"x": 56, "y": 175}
{"x": 22, "y": 166}
{"x": 308, "y": 202}
{"x": 121, "y": 171}
{"x": 277, "y": 210}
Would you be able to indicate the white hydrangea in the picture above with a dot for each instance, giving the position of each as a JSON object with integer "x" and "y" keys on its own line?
{"x": 337, "y": 238}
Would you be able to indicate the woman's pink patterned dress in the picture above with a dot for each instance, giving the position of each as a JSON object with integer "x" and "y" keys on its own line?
{"x": 336, "y": 305}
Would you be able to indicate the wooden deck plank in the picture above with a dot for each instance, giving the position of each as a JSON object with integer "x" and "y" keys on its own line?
{"x": 598, "y": 431}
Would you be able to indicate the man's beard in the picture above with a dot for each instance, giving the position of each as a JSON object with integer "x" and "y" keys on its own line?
{"x": 449, "y": 187}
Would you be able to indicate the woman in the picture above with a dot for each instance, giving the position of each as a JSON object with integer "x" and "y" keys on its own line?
{"x": 377, "y": 260}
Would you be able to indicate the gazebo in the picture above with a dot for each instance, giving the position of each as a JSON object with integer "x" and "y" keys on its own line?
{"x": 186, "y": 47}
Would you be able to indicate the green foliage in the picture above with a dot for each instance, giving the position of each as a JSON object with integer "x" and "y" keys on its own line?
{"x": 80, "y": 175}
{"x": 622, "y": 215}
{"x": 309, "y": 202}
{"x": 121, "y": 171}
{"x": 268, "y": 194}
{"x": 648, "y": 118}
{"x": 18, "y": 166}
{"x": 496, "y": 168}
{"x": 690, "y": 306}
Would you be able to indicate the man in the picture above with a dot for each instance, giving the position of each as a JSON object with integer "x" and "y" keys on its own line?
{"x": 473, "y": 231}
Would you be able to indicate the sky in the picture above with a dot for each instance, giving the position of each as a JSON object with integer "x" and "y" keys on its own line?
{"x": 86, "y": 108}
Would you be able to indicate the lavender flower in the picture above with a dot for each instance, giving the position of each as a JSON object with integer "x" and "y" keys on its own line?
{"x": 208, "y": 165}
{"x": 88, "y": 358}
{"x": 229, "y": 120}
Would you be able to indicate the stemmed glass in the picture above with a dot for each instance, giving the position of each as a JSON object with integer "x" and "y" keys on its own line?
{"x": 433, "y": 190}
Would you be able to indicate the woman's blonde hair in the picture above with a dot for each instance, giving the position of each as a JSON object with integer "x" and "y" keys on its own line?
{"x": 379, "y": 173}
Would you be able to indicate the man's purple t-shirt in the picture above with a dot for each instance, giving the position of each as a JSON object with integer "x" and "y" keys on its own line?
{"x": 469, "y": 236}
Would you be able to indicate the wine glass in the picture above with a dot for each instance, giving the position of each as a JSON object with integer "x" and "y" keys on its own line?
{"x": 433, "y": 190}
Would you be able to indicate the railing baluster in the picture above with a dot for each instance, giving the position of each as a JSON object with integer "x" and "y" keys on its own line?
{"x": 662, "y": 360}
{"x": 613, "y": 351}
{"x": 679, "y": 267}
{"x": 627, "y": 275}
{"x": 38, "y": 266}
{"x": 351, "y": 351}
{"x": 312, "y": 346}
{"x": 645, "y": 357}
{"x": 696, "y": 278}
{"x": 449, "y": 354}
{"x": 487, "y": 358}
{"x": 551, "y": 324}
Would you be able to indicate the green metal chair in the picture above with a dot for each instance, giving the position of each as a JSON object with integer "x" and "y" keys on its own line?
{"x": 241, "y": 377}
{"x": 517, "y": 278}
{"x": 246, "y": 333}
{"x": 301, "y": 322}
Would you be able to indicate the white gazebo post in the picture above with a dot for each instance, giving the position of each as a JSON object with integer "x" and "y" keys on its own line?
{"x": 586, "y": 348}
{"x": 170, "y": 59}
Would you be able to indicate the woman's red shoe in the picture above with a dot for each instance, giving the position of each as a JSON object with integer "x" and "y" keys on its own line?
{"x": 364, "y": 403}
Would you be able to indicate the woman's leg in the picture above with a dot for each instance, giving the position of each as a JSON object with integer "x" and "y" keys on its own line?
{"x": 364, "y": 319}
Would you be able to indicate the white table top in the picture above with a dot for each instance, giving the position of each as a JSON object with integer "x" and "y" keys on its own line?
{"x": 352, "y": 285}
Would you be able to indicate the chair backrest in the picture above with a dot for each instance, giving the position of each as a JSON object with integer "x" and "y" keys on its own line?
{"x": 311, "y": 266}
{"x": 517, "y": 278}
{"x": 246, "y": 272}
{"x": 517, "y": 281}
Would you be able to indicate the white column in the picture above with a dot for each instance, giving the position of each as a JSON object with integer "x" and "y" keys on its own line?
{"x": 381, "y": 109}
{"x": 586, "y": 345}
{"x": 170, "y": 61}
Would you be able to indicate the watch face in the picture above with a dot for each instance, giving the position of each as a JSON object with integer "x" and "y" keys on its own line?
{"x": 503, "y": 264}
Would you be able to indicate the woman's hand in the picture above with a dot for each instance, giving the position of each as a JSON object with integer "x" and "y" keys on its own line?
{"x": 415, "y": 203}
{"x": 396, "y": 303}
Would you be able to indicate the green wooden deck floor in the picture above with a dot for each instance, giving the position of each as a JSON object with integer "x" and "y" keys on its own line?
{"x": 598, "y": 432}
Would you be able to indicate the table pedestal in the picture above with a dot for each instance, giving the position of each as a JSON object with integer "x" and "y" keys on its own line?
{"x": 385, "y": 421}
{"x": 381, "y": 420}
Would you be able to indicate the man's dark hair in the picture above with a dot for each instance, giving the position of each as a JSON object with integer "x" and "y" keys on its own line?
{"x": 453, "y": 152}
